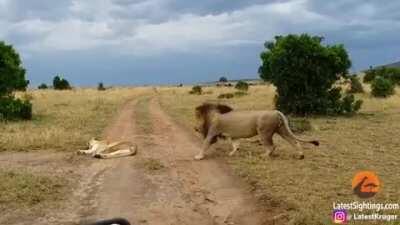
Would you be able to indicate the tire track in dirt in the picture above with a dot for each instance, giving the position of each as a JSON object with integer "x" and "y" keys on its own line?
{"x": 207, "y": 185}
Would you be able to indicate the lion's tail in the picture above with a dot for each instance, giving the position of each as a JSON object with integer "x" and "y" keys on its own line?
{"x": 287, "y": 128}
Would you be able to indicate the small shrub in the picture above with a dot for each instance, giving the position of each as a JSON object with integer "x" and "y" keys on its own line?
{"x": 226, "y": 95}
{"x": 101, "y": 87}
{"x": 355, "y": 85}
{"x": 14, "y": 109}
{"x": 43, "y": 86}
{"x": 382, "y": 87}
{"x": 196, "y": 90}
{"x": 231, "y": 95}
{"x": 241, "y": 85}
{"x": 349, "y": 105}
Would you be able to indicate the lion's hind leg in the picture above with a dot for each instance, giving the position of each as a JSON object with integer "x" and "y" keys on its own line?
{"x": 235, "y": 146}
{"x": 292, "y": 141}
{"x": 266, "y": 140}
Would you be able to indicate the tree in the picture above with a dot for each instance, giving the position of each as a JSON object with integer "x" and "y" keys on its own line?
{"x": 12, "y": 74}
{"x": 43, "y": 86}
{"x": 241, "y": 85}
{"x": 392, "y": 74}
{"x": 12, "y": 78}
{"x": 304, "y": 71}
{"x": 60, "y": 83}
{"x": 101, "y": 87}
{"x": 223, "y": 79}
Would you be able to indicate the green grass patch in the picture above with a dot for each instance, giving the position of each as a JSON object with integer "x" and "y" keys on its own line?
{"x": 142, "y": 112}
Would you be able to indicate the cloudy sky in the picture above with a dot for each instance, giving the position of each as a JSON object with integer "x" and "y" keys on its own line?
{"x": 174, "y": 41}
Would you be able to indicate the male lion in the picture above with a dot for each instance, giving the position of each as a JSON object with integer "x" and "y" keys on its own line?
{"x": 97, "y": 149}
{"x": 218, "y": 120}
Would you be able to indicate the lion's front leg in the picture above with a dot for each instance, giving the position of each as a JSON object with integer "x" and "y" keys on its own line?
{"x": 206, "y": 145}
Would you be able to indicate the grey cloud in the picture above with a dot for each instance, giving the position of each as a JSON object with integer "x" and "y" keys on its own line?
{"x": 18, "y": 10}
{"x": 140, "y": 29}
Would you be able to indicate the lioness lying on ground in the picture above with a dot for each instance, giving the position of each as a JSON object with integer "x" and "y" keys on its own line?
{"x": 104, "y": 150}
{"x": 218, "y": 120}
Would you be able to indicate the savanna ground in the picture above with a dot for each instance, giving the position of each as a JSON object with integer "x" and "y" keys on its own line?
{"x": 301, "y": 191}
{"x": 307, "y": 188}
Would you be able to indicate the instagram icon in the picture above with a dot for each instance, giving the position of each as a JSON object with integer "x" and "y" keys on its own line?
{"x": 339, "y": 216}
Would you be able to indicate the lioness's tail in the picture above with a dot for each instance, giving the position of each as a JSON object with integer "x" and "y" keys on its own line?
{"x": 287, "y": 128}
{"x": 119, "y": 143}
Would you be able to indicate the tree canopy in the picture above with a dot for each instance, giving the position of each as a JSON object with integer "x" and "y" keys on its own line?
{"x": 12, "y": 74}
{"x": 304, "y": 71}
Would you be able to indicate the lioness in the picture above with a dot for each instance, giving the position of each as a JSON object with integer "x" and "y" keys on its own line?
{"x": 218, "y": 120}
{"x": 97, "y": 149}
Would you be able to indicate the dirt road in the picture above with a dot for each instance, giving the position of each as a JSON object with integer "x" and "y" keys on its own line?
{"x": 162, "y": 184}
{"x": 181, "y": 190}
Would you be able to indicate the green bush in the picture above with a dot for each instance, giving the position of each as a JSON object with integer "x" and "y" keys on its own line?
{"x": 241, "y": 85}
{"x": 226, "y": 95}
{"x": 349, "y": 105}
{"x": 60, "y": 83}
{"x": 43, "y": 86}
{"x": 392, "y": 74}
{"x": 231, "y": 95}
{"x": 382, "y": 87}
{"x": 355, "y": 85}
{"x": 304, "y": 72}
{"x": 14, "y": 109}
{"x": 196, "y": 90}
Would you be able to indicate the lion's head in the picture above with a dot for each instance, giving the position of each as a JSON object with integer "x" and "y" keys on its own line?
{"x": 203, "y": 113}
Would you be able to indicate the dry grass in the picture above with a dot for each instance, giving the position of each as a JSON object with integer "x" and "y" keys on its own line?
{"x": 22, "y": 189}
{"x": 65, "y": 120}
{"x": 306, "y": 189}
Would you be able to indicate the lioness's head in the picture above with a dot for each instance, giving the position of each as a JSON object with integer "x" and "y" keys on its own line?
{"x": 203, "y": 113}
{"x": 92, "y": 142}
